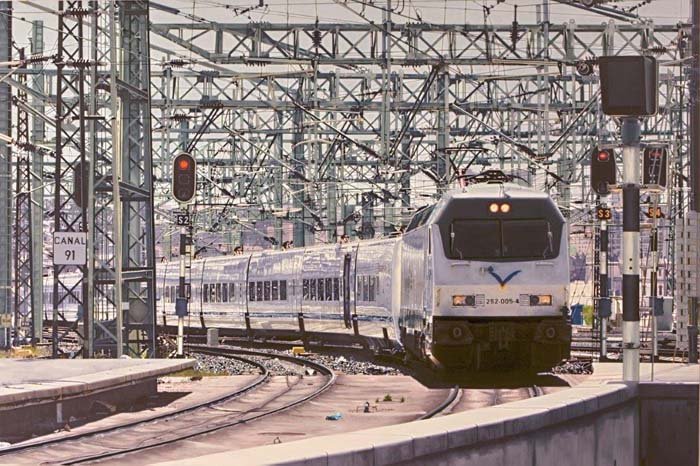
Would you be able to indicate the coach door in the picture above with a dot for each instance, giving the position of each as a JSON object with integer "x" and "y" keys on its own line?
{"x": 347, "y": 269}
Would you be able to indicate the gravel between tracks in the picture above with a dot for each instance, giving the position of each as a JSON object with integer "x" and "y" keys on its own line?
{"x": 341, "y": 364}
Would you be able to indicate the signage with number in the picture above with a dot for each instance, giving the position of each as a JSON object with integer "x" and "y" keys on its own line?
{"x": 69, "y": 248}
{"x": 5, "y": 320}
{"x": 651, "y": 213}
{"x": 604, "y": 213}
{"x": 182, "y": 220}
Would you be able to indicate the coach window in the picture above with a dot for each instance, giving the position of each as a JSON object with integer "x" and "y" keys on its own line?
{"x": 206, "y": 293}
{"x": 283, "y": 290}
{"x": 329, "y": 289}
{"x": 371, "y": 288}
{"x": 312, "y": 289}
{"x": 231, "y": 292}
{"x": 224, "y": 293}
{"x": 365, "y": 288}
{"x": 217, "y": 293}
{"x": 266, "y": 289}
{"x": 306, "y": 294}
{"x": 321, "y": 289}
{"x": 258, "y": 291}
{"x": 275, "y": 290}
{"x": 336, "y": 289}
{"x": 251, "y": 291}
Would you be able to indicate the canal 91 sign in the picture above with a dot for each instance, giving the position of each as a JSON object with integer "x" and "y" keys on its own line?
{"x": 69, "y": 248}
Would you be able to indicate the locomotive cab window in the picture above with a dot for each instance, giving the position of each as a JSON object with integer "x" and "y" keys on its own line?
{"x": 470, "y": 239}
{"x": 514, "y": 239}
{"x": 527, "y": 238}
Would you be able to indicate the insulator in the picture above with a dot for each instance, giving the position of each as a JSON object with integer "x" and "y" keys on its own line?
{"x": 316, "y": 36}
{"x": 179, "y": 117}
{"x": 177, "y": 62}
{"x": 657, "y": 50}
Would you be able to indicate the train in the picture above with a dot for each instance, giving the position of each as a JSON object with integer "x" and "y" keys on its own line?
{"x": 478, "y": 280}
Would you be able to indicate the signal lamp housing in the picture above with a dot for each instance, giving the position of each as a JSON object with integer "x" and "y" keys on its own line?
{"x": 184, "y": 185}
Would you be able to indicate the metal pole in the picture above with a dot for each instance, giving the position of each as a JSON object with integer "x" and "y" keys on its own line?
{"x": 694, "y": 164}
{"x": 37, "y": 136}
{"x": 5, "y": 178}
{"x": 603, "y": 279}
{"x": 117, "y": 220}
{"x": 631, "y": 129}
{"x": 654, "y": 275}
{"x": 181, "y": 292}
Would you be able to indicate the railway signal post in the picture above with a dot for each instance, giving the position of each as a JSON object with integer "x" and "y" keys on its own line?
{"x": 631, "y": 130}
{"x": 604, "y": 213}
{"x": 654, "y": 178}
{"x": 184, "y": 187}
{"x": 629, "y": 89}
{"x": 603, "y": 175}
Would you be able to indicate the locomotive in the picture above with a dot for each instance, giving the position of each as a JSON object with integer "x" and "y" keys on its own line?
{"x": 478, "y": 280}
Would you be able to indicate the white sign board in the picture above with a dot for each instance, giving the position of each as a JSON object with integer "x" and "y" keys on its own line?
{"x": 5, "y": 320}
{"x": 69, "y": 248}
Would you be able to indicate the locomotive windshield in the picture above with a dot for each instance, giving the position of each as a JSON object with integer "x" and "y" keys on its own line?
{"x": 501, "y": 239}
{"x": 530, "y": 230}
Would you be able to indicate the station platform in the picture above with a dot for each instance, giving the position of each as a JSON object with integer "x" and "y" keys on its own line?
{"x": 600, "y": 421}
{"x": 606, "y": 372}
{"x": 39, "y": 395}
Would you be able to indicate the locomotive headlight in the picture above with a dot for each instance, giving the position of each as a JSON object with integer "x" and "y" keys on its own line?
{"x": 463, "y": 300}
{"x": 493, "y": 208}
{"x": 505, "y": 208}
{"x": 541, "y": 300}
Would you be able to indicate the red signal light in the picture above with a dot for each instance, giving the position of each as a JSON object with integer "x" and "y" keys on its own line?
{"x": 183, "y": 164}
{"x": 603, "y": 156}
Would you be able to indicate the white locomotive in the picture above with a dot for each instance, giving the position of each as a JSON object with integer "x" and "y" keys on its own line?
{"x": 478, "y": 280}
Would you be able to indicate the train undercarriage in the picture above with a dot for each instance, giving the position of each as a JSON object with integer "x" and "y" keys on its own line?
{"x": 532, "y": 344}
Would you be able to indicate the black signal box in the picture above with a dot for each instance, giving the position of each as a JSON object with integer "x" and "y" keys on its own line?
{"x": 603, "y": 173}
{"x": 629, "y": 85}
{"x": 184, "y": 186}
{"x": 655, "y": 168}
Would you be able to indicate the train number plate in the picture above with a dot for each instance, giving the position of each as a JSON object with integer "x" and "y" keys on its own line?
{"x": 501, "y": 301}
{"x": 501, "y": 332}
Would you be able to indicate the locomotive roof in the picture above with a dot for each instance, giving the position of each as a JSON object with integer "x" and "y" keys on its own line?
{"x": 491, "y": 190}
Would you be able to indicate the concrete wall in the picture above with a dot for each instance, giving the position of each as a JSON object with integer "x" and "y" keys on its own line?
{"x": 589, "y": 425}
{"x": 668, "y": 424}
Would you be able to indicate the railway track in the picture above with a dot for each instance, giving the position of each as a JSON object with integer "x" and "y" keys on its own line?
{"x": 455, "y": 395}
{"x": 260, "y": 398}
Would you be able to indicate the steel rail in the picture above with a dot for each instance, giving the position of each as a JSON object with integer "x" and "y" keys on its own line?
{"x": 451, "y": 398}
{"x": 32, "y": 444}
{"x": 228, "y": 352}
